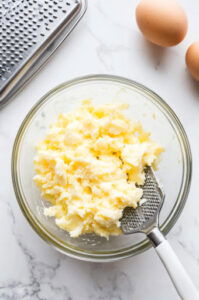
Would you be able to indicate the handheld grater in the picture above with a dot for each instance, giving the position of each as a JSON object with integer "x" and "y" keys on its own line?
{"x": 145, "y": 219}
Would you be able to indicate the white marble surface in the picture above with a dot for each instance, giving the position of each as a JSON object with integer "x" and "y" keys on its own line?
{"x": 106, "y": 41}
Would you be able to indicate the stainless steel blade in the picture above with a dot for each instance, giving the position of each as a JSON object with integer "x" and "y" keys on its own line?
{"x": 30, "y": 31}
{"x": 144, "y": 217}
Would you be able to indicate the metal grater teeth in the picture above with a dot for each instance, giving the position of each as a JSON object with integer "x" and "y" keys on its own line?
{"x": 144, "y": 216}
{"x": 27, "y": 27}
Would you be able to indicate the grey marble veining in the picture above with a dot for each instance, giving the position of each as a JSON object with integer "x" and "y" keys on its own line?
{"x": 106, "y": 41}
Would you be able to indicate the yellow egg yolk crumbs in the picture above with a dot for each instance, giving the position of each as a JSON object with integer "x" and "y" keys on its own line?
{"x": 89, "y": 166}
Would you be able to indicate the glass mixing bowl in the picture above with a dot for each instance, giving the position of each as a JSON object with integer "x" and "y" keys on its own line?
{"x": 157, "y": 117}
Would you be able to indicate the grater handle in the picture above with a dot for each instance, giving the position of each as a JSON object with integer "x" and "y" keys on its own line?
{"x": 175, "y": 269}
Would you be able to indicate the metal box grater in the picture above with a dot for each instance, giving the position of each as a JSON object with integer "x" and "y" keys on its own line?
{"x": 30, "y": 31}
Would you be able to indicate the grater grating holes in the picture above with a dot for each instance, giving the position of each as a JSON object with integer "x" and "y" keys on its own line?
{"x": 22, "y": 28}
{"x": 136, "y": 220}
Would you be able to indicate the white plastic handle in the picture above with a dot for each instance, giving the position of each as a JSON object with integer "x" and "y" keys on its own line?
{"x": 177, "y": 273}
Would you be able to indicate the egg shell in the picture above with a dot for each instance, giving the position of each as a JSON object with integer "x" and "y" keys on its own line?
{"x": 192, "y": 59}
{"x": 162, "y": 22}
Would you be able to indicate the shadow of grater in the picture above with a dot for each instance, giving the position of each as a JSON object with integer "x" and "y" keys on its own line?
{"x": 30, "y": 31}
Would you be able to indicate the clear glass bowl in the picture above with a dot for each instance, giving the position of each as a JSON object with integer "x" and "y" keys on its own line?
{"x": 156, "y": 116}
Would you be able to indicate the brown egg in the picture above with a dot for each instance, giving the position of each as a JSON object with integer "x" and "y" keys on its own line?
{"x": 163, "y": 22}
{"x": 192, "y": 60}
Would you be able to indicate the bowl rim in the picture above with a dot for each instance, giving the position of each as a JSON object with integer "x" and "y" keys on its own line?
{"x": 107, "y": 256}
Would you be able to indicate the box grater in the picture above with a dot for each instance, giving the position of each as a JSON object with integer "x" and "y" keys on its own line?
{"x": 30, "y": 31}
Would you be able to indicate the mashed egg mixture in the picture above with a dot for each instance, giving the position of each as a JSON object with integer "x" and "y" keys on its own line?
{"x": 89, "y": 167}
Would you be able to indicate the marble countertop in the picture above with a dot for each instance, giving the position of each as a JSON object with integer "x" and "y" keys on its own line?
{"x": 106, "y": 41}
